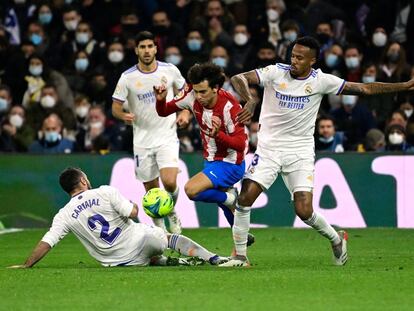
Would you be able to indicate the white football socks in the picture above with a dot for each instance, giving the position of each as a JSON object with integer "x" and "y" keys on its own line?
{"x": 319, "y": 223}
{"x": 241, "y": 229}
{"x": 188, "y": 247}
{"x": 174, "y": 194}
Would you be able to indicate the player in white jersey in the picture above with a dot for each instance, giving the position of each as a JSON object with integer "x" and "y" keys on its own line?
{"x": 101, "y": 219}
{"x": 292, "y": 96}
{"x": 156, "y": 145}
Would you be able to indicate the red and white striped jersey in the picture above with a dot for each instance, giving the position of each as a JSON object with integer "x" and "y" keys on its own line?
{"x": 230, "y": 144}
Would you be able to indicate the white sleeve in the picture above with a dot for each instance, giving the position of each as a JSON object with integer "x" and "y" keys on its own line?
{"x": 330, "y": 84}
{"x": 179, "y": 81}
{"x": 268, "y": 74}
{"x": 185, "y": 98}
{"x": 57, "y": 231}
{"x": 119, "y": 203}
{"x": 121, "y": 89}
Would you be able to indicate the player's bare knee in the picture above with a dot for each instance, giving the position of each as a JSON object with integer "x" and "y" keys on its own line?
{"x": 244, "y": 200}
{"x": 190, "y": 191}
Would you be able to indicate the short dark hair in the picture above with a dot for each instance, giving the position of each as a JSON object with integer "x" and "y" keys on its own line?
{"x": 70, "y": 178}
{"x": 311, "y": 43}
{"x": 210, "y": 72}
{"x": 144, "y": 35}
{"x": 325, "y": 117}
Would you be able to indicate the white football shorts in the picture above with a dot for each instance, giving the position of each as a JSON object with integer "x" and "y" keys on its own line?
{"x": 297, "y": 169}
{"x": 154, "y": 243}
{"x": 149, "y": 161}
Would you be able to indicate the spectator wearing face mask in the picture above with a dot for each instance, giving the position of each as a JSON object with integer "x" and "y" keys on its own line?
{"x": 82, "y": 106}
{"x": 353, "y": 63}
{"x": 398, "y": 116}
{"x": 327, "y": 138}
{"x": 78, "y": 74}
{"x": 98, "y": 126}
{"x": 195, "y": 50}
{"x": 264, "y": 56}
{"x": 173, "y": 56}
{"x": 354, "y": 119}
{"x": 377, "y": 44}
{"x": 16, "y": 131}
{"x": 407, "y": 106}
{"x": 83, "y": 40}
{"x": 325, "y": 36}
{"x": 5, "y": 101}
{"x": 50, "y": 138}
{"x": 333, "y": 60}
{"x": 39, "y": 74}
{"x": 50, "y": 103}
{"x": 166, "y": 32}
{"x": 241, "y": 47}
{"x": 380, "y": 105}
{"x": 267, "y": 26}
{"x": 98, "y": 91}
{"x": 114, "y": 64}
{"x": 70, "y": 19}
{"x": 220, "y": 57}
{"x": 395, "y": 138}
{"x": 290, "y": 32}
{"x": 216, "y": 24}
{"x": 393, "y": 65}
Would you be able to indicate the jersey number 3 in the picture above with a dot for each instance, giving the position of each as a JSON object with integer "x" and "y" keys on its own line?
{"x": 108, "y": 238}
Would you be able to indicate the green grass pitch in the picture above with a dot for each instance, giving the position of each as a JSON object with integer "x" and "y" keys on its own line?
{"x": 291, "y": 270}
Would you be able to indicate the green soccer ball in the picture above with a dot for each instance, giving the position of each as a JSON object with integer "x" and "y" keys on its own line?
{"x": 157, "y": 203}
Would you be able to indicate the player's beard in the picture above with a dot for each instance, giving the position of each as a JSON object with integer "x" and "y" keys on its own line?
{"x": 147, "y": 63}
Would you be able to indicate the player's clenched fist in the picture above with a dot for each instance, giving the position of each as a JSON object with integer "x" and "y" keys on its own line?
{"x": 160, "y": 92}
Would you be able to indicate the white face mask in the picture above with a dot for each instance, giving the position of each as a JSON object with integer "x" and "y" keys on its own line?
{"x": 352, "y": 62}
{"x": 240, "y": 38}
{"x": 396, "y": 139}
{"x": 368, "y": 79}
{"x": 326, "y": 140}
{"x": 349, "y": 100}
{"x": 82, "y": 111}
{"x": 379, "y": 39}
{"x": 96, "y": 125}
{"x": 272, "y": 15}
{"x": 408, "y": 112}
{"x": 71, "y": 25}
{"x": 115, "y": 57}
{"x": 16, "y": 120}
{"x": 48, "y": 101}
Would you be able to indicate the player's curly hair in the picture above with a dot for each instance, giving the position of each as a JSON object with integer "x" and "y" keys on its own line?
{"x": 210, "y": 72}
{"x": 70, "y": 178}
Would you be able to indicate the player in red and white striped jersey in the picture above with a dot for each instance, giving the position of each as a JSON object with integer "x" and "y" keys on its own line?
{"x": 224, "y": 140}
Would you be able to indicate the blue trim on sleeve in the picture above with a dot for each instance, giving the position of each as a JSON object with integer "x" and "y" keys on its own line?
{"x": 341, "y": 88}
{"x": 258, "y": 76}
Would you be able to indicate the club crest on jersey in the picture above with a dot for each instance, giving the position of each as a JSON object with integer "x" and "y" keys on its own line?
{"x": 138, "y": 84}
{"x": 282, "y": 86}
{"x": 308, "y": 89}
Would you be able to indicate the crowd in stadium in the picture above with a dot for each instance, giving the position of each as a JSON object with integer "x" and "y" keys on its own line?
{"x": 60, "y": 61}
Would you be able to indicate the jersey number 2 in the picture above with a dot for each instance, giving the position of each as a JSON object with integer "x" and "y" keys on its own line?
{"x": 108, "y": 238}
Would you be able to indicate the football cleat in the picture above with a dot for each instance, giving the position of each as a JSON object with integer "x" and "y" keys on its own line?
{"x": 218, "y": 260}
{"x": 340, "y": 253}
{"x": 175, "y": 223}
{"x": 236, "y": 261}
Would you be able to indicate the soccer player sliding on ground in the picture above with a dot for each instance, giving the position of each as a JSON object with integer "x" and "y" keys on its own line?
{"x": 101, "y": 219}
{"x": 291, "y": 100}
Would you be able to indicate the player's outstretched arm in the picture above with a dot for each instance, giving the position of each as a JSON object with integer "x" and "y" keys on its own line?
{"x": 352, "y": 88}
{"x": 241, "y": 83}
{"x": 38, "y": 253}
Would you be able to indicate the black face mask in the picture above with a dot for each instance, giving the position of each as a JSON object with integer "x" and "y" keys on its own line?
{"x": 265, "y": 62}
{"x": 394, "y": 57}
{"x": 160, "y": 30}
{"x": 323, "y": 38}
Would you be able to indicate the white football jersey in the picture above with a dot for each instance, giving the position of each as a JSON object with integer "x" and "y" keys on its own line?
{"x": 150, "y": 130}
{"x": 290, "y": 106}
{"x": 99, "y": 219}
